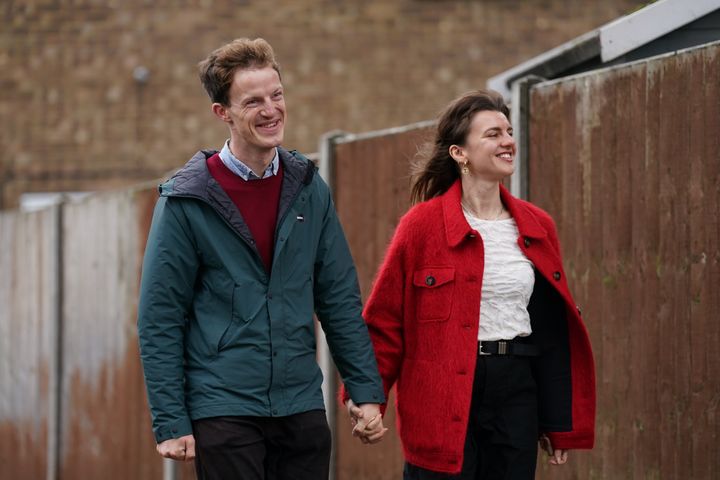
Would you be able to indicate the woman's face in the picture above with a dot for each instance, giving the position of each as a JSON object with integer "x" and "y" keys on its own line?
{"x": 489, "y": 148}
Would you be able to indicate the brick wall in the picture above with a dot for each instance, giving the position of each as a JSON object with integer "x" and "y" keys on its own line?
{"x": 72, "y": 116}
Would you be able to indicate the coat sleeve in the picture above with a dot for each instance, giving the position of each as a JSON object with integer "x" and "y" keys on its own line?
{"x": 166, "y": 291}
{"x": 384, "y": 312}
{"x": 339, "y": 309}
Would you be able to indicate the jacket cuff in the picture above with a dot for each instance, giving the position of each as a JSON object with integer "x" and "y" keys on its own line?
{"x": 176, "y": 429}
{"x": 571, "y": 440}
{"x": 360, "y": 394}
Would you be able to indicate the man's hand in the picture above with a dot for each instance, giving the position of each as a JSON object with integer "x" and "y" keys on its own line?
{"x": 367, "y": 421}
{"x": 182, "y": 448}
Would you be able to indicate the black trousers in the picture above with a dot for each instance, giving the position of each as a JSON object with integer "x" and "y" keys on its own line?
{"x": 502, "y": 433}
{"x": 296, "y": 447}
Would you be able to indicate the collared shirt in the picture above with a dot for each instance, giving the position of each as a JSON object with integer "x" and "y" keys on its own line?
{"x": 243, "y": 171}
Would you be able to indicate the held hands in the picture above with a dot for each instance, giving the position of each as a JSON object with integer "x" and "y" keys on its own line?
{"x": 557, "y": 456}
{"x": 182, "y": 448}
{"x": 367, "y": 422}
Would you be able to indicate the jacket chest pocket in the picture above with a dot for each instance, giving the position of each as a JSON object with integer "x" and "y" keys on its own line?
{"x": 435, "y": 288}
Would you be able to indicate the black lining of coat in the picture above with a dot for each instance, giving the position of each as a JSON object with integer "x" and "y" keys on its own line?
{"x": 552, "y": 368}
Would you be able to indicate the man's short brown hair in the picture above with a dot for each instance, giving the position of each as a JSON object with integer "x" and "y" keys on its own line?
{"x": 218, "y": 69}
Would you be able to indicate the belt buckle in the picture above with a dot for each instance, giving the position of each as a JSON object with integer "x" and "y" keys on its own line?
{"x": 502, "y": 347}
{"x": 480, "y": 350}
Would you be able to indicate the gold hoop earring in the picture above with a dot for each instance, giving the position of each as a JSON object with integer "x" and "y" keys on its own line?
{"x": 464, "y": 168}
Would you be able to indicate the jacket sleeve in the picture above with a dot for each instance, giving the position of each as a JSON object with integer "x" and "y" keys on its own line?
{"x": 339, "y": 309}
{"x": 166, "y": 291}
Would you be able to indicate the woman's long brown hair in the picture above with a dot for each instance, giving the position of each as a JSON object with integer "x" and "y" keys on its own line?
{"x": 435, "y": 173}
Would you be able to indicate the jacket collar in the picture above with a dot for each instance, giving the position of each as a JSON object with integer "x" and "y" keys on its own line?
{"x": 457, "y": 227}
{"x": 194, "y": 178}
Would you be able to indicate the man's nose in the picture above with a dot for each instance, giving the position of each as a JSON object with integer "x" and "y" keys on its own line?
{"x": 267, "y": 107}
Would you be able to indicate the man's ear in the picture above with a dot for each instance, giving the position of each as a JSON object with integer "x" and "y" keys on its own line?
{"x": 221, "y": 112}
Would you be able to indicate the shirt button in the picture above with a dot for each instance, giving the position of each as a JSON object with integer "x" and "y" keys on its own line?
{"x": 274, "y": 411}
{"x": 556, "y": 276}
{"x": 430, "y": 281}
{"x": 274, "y": 354}
{"x": 282, "y": 239}
{"x": 269, "y": 296}
{"x": 527, "y": 242}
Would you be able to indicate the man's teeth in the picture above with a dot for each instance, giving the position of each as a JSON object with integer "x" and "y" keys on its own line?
{"x": 505, "y": 155}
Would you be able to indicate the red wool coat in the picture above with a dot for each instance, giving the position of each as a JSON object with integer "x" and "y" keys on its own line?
{"x": 425, "y": 332}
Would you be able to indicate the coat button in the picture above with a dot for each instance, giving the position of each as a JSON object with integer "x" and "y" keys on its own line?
{"x": 556, "y": 276}
{"x": 578, "y": 310}
{"x": 456, "y": 418}
{"x": 429, "y": 280}
{"x": 527, "y": 242}
{"x": 471, "y": 235}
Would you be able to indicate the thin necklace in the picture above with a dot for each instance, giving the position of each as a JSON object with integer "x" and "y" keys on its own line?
{"x": 472, "y": 212}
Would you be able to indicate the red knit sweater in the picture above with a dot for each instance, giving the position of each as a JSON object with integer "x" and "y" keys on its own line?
{"x": 257, "y": 201}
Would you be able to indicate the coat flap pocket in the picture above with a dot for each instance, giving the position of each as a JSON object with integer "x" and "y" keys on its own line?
{"x": 431, "y": 277}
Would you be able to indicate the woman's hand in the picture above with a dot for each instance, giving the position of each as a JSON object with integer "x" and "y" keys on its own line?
{"x": 557, "y": 457}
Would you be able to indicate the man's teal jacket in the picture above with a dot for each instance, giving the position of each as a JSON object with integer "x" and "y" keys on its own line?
{"x": 219, "y": 335}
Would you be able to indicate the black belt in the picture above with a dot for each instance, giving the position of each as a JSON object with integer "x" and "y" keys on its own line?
{"x": 507, "y": 347}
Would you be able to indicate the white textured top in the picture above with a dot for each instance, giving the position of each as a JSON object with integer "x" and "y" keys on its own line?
{"x": 508, "y": 281}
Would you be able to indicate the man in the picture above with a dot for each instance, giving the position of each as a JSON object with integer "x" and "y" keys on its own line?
{"x": 244, "y": 246}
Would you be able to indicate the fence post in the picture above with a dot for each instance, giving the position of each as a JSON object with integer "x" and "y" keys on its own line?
{"x": 54, "y": 436}
{"x": 326, "y": 150}
{"x": 520, "y": 119}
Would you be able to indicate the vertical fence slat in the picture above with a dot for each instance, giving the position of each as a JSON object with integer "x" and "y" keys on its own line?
{"x": 28, "y": 295}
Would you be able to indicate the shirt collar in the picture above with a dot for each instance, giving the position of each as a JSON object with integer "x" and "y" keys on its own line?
{"x": 243, "y": 171}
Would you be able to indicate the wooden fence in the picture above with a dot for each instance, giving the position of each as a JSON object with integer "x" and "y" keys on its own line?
{"x": 72, "y": 400}
{"x": 628, "y": 162}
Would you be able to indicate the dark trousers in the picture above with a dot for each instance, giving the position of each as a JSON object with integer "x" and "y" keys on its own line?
{"x": 502, "y": 434}
{"x": 296, "y": 447}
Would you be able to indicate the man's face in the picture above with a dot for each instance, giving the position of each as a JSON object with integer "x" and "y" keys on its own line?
{"x": 256, "y": 114}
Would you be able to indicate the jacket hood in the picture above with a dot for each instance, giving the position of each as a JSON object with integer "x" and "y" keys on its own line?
{"x": 194, "y": 179}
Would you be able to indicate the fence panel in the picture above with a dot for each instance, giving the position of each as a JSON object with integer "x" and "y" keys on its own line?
{"x": 28, "y": 299}
{"x": 627, "y": 160}
{"x": 105, "y": 424}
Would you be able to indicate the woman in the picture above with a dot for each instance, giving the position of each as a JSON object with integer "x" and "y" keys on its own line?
{"x": 471, "y": 317}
